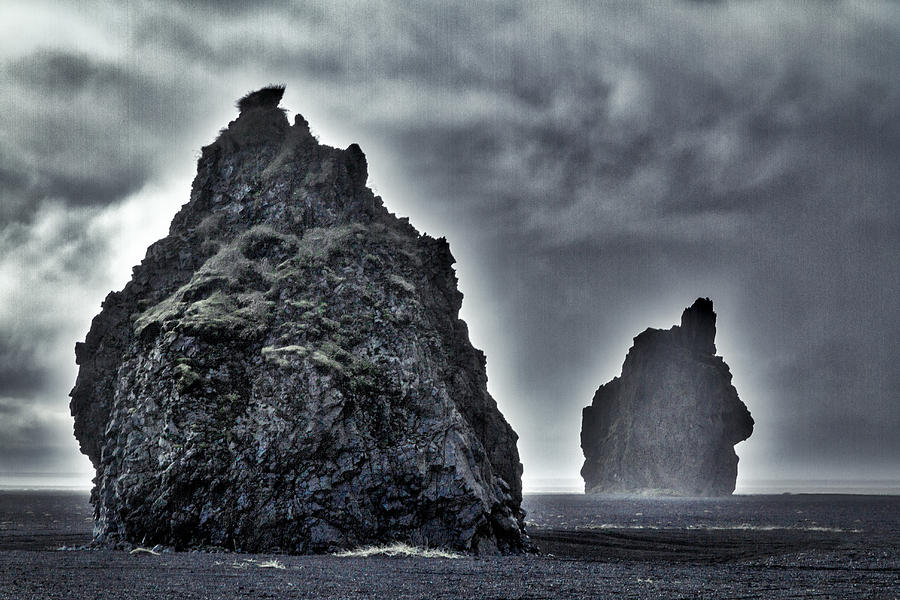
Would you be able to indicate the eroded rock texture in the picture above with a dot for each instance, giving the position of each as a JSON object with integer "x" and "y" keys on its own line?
{"x": 669, "y": 424}
{"x": 286, "y": 370}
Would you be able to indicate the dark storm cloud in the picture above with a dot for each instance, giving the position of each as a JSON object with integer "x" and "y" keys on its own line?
{"x": 32, "y": 441}
{"x": 239, "y": 7}
{"x": 12, "y": 180}
{"x": 20, "y": 375}
{"x": 764, "y": 180}
{"x": 837, "y": 388}
{"x": 694, "y": 120}
{"x": 96, "y": 185}
{"x": 82, "y": 130}
{"x": 63, "y": 249}
{"x": 67, "y": 73}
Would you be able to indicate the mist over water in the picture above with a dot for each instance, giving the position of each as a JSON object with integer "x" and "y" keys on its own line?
{"x": 46, "y": 481}
{"x": 531, "y": 485}
{"x": 781, "y": 514}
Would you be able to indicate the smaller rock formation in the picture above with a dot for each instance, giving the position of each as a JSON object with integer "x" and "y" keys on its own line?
{"x": 669, "y": 424}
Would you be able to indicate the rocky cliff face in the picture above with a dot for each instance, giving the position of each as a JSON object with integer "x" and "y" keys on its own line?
{"x": 286, "y": 370}
{"x": 669, "y": 424}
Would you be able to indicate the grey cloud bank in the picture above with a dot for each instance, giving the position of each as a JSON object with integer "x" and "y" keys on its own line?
{"x": 594, "y": 168}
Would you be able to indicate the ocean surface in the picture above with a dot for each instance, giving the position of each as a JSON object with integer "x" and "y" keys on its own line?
{"x": 839, "y": 513}
{"x": 744, "y": 546}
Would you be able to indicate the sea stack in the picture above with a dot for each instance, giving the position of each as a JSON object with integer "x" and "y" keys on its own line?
{"x": 669, "y": 424}
{"x": 287, "y": 370}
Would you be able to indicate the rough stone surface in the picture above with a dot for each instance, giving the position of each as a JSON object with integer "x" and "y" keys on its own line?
{"x": 287, "y": 370}
{"x": 669, "y": 424}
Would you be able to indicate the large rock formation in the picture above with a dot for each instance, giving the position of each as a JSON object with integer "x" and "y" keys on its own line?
{"x": 287, "y": 370}
{"x": 669, "y": 424}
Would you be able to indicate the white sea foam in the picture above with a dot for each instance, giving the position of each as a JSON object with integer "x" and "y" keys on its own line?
{"x": 261, "y": 564}
{"x": 398, "y": 549}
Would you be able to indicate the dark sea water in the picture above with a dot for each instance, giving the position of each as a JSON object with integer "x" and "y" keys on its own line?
{"x": 820, "y": 527}
{"x": 800, "y": 512}
{"x": 772, "y": 546}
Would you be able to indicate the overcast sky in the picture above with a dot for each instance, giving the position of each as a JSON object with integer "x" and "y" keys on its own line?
{"x": 595, "y": 168}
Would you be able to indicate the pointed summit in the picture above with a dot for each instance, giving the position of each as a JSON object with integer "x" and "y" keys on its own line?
{"x": 267, "y": 97}
{"x": 698, "y": 326}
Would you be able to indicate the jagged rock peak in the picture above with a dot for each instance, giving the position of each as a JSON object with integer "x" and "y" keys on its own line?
{"x": 287, "y": 369}
{"x": 669, "y": 423}
{"x": 698, "y": 326}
